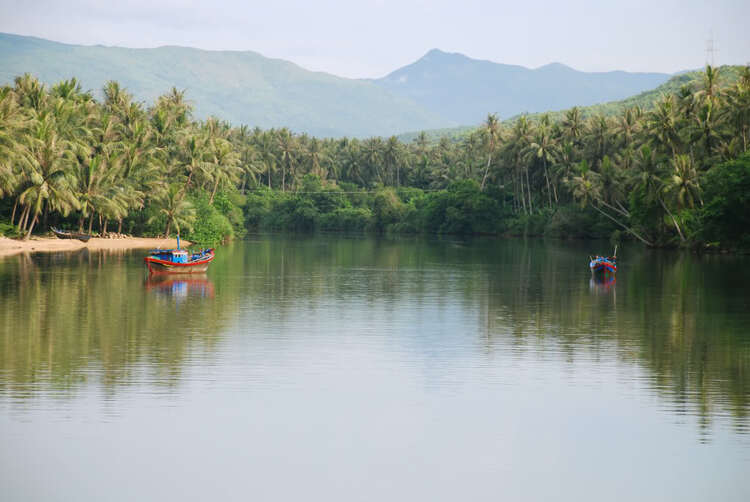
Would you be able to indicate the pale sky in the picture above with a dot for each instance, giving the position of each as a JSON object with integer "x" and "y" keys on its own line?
{"x": 371, "y": 38}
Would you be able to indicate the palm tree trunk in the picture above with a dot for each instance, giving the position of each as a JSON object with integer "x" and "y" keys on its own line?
{"x": 187, "y": 183}
{"x": 31, "y": 227}
{"x": 91, "y": 222}
{"x": 623, "y": 226}
{"x": 213, "y": 192}
{"x": 104, "y": 231}
{"x": 166, "y": 232}
{"x": 119, "y": 226}
{"x": 549, "y": 191}
{"x": 80, "y": 222}
{"x": 23, "y": 219}
{"x": 486, "y": 171}
{"x": 13, "y": 215}
{"x": 613, "y": 208}
{"x": 674, "y": 220}
{"x": 528, "y": 188}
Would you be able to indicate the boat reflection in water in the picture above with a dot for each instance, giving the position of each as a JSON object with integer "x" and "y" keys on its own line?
{"x": 602, "y": 283}
{"x": 181, "y": 286}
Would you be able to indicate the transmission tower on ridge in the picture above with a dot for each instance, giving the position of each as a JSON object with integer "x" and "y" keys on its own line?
{"x": 711, "y": 50}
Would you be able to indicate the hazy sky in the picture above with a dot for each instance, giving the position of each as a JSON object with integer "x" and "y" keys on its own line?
{"x": 373, "y": 37}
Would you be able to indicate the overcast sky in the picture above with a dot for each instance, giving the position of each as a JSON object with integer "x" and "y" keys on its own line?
{"x": 371, "y": 38}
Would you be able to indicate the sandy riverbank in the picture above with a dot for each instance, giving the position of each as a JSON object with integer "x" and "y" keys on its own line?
{"x": 53, "y": 244}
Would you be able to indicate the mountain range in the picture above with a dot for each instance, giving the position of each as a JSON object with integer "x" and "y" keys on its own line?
{"x": 465, "y": 90}
{"x": 440, "y": 90}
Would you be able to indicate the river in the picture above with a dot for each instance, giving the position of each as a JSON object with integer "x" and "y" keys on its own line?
{"x": 354, "y": 368}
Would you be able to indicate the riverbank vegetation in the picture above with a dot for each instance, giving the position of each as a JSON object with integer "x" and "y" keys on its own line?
{"x": 676, "y": 173}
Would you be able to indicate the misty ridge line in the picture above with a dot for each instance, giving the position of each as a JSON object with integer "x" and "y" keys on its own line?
{"x": 440, "y": 90}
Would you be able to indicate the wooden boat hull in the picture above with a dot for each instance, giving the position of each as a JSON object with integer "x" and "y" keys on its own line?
{"x": 60, "y": 234}
{"x": 157, "y": 266}
{"x": 603, "y": 268}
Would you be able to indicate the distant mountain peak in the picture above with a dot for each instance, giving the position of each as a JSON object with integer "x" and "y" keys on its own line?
{"x": 441, "y": 54}
{"x": 555, "y": 66}
{"x": 464, "y": 89}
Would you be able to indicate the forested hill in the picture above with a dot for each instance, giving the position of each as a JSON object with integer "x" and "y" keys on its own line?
{"x": 685, "y": 82}
{"x": 240, "y": 87}
{"x": 465, "y": 89}
{"x": 438, "y": 91}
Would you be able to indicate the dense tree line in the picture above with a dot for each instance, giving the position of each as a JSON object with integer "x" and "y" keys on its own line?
{"x": 93, "y": 165}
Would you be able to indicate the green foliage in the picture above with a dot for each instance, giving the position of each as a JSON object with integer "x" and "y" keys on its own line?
{"x": 573, "y": 222}
{"x": 7, "y": 230}
{"x": 231, "y": 206}
{"x": 659, "y": 175}
{"x": 211, "y": 226}
{"x": 462, "y": 209}
{"x": 725, "y": 218}
{"x": 387, "y": 209}
{"x": 347, "y": 219}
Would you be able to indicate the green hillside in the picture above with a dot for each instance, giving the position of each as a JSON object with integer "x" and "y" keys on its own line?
{"x": 728, "y": 75}
{"x": 240, "y": 87}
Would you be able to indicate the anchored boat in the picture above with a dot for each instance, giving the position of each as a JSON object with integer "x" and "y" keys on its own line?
{"x": 178, "y": 261}
{"x": 603, "y": 265}
{"x": 63, "y": 234}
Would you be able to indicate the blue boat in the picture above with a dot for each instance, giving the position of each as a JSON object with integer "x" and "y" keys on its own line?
{"x": 178, "y": 261}
{"x": 603, "y": 265}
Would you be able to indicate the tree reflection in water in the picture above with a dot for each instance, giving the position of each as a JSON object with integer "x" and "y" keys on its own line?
{"x": 682, "y": 318}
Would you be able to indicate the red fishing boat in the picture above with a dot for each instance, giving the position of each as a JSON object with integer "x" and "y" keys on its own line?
{"x": 603, "y": 265}
{"x": 178, "y": 261}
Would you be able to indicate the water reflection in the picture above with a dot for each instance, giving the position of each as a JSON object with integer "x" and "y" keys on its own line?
{"x": 180, "y": 286}
{"x": 681, "y": 319}
{"x": 602, "y": 284}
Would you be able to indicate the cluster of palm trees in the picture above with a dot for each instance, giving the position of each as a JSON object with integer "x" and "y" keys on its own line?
{"x": 62, "y": 152}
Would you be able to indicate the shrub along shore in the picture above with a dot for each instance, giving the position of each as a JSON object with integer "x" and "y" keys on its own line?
{"x": 676, "y": 174}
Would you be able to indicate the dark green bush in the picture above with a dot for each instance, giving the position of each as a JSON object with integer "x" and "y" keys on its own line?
{"x": 211, "y": 226}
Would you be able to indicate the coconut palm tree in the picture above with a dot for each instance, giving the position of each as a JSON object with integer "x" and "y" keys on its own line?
{"x": 12, "y": 122}
{"x": 572, "y": 126}
{"x": 710, "y": 90}
{"x": 287, "y": 155}
{"x": 176, "y": 209}
{"x": 372, "y": 152}
{"x": 514, "y": 150}
{"x": 544, "y": 149}
{"x": 627, "y": 126}
{"x": 491, "y": 134}
{"x": 661, "y": 124}
{"x": 195, "y": 161}
{"x": 598, "y": 137}
{"x": 736, "y": 111}
{"x": 225, "y": 165}
{"x": 587, "y": 190}
{"x": 683, "y": 185}
{"x": 46, "y": 161}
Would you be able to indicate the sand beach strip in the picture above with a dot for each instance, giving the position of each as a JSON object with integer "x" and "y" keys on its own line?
{"x": 53, "y": 244}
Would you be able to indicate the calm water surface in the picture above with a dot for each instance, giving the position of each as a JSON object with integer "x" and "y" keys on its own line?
{"x": 335, "y": 368}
